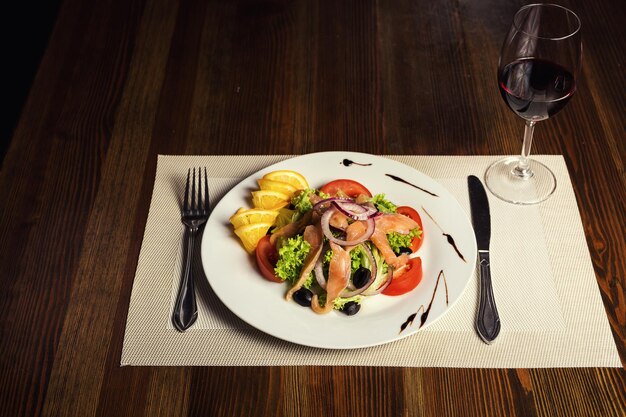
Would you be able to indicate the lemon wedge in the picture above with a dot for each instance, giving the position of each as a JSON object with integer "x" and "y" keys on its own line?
{"x": 251, "y": 216}
{"x": 269, "y": 200}
{"x": 290, "y": 177}
{"x": 280, "y": 186}
{"x": 250, "y": 234}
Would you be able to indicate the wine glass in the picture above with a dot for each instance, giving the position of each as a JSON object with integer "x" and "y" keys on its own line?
{"x": 537, "y": 70}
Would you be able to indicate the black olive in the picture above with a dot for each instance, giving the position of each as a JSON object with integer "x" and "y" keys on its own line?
{"x": 351, "y": 308}
{"x": 361, "y": 277}
{"x": 303, "y": 297}
{"x": 406, "y": 250}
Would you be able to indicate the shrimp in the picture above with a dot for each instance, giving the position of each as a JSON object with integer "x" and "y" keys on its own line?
{"x": 395, "y": 222}
{"x": 384, "y": 224}
{"x": 312, "y": 235}
{"x": 339, "y": 220}
{"x": 391, "y": 223}
{"x": 355, "y": 231}
{"x": 338, "y": 277}
{"x": 292, "y": 229}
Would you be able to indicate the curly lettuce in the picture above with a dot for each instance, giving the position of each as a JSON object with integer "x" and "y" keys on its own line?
{"x": 359, "y": 259}
{"x": 339, "y": 303}
{"x": 291, "y": 256}
{"x": 302, "y": 199}
{"x": 398, "y": 241}
{"x": 382, "y": 204}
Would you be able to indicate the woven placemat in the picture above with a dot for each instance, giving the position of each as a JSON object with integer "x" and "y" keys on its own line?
{"x": 549, "y": 301}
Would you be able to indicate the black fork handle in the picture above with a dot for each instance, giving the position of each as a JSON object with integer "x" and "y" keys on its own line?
{"x": 186, "y": 309}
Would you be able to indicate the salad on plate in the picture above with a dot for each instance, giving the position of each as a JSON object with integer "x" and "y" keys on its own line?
{"x": 335, "y": 246}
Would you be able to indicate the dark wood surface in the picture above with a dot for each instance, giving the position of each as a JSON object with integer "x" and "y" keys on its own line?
{"x": 124, "y": 80}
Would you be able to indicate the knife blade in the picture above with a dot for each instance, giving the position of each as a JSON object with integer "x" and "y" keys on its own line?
{"x": 487, "y": 319}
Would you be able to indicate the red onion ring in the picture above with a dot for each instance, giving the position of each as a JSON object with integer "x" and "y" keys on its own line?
{"x": 325, "y": 222}
{"x": 319, "y": 270}
{"x": 355, "y": 211}
{"x": 384, "y": 285}
{"x": 327, "y": 201}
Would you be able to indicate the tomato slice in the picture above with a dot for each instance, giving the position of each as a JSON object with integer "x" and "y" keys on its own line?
{"x": 350, "y": 188}
{"x": 409, "y": 279}
{"x": 266, "y": 258}
{"x": 411, "y": 213}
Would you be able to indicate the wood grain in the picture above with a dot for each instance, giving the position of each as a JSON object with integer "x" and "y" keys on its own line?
{"x": 123, "y": 81}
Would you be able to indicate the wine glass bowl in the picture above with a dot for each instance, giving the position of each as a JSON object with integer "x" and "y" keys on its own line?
{"x": 537, "y": 71}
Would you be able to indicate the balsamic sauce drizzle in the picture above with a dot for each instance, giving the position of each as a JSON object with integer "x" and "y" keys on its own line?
{"x": 426, "y": 312}
{"x": 348, "y": 162}
{"x": 449, "y": 237}
{"x": 393, "y": 177}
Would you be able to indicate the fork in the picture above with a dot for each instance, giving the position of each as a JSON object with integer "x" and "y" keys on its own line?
{"x": 194, "y": 215}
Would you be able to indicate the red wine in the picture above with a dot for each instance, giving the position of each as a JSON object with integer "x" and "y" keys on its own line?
{"x": 535, "y": 89}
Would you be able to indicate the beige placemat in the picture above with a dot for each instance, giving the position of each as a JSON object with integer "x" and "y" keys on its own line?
{"x": 548, "y": 299}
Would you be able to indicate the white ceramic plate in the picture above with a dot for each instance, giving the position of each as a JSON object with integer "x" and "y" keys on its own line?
{"x": 233, "y": 275}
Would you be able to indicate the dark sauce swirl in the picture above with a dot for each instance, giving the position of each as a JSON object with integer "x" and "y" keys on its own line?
{"x": 453, "y": 244}
{"x": 348, "y": 162}
{"x": 426, "y": 312}
{"x": 448, "y": 236}
{"x": 396, "y": 178}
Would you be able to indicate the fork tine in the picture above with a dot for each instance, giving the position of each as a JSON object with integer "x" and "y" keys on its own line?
{"x": 206, "y": 192}
{"x": 199, "y": 207}
{"x": 186, "y": 200}
{"x": 193, "y": 191}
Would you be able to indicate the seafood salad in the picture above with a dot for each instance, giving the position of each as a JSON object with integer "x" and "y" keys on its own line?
{"x": 334, "y": 246}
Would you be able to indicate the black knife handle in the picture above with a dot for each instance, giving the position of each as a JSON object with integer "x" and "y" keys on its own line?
{"x": 487, "y": 320}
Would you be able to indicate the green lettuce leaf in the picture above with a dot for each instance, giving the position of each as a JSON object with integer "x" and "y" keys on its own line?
{"x": 291, "y": 256}
{"x": 382, "y": 204}
{"x": 398, "y": 240}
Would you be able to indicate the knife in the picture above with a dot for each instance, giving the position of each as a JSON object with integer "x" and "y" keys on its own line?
{"x": 487, "y": 320}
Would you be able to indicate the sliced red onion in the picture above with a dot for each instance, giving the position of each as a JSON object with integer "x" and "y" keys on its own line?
{"x": 319, "y": 270}
{"x": 325, "y": 222}
{"x": 346, "y": 293}
{"x": 327, "y": 202}
{"x": 384, "y": 285}
{"x": 355, "y": 211}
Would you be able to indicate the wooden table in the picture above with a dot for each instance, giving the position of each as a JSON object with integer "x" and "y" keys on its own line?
{"x": 125, "y": 80}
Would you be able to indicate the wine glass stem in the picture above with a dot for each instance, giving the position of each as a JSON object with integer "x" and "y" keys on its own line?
{"x": 522, "y": 169}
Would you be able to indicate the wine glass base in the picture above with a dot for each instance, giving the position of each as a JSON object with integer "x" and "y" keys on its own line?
{"x": 507, "y": 184}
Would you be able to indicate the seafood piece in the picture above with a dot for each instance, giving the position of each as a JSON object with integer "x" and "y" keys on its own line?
{"x": 314, "y": 237}
{"x": 338, "y": 277}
